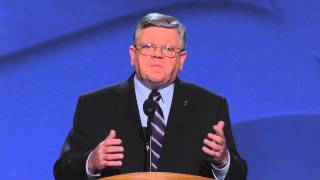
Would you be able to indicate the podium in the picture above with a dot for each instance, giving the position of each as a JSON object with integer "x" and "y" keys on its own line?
{"x": 155, "y": 176}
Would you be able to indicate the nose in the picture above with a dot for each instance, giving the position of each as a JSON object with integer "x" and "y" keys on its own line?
{"x": 157, "y": 53}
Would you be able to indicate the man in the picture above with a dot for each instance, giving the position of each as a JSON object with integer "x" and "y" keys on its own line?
{"x": 190, "y": 126}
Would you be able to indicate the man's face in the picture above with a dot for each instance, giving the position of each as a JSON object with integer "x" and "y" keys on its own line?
{"x": 155, "y": 70}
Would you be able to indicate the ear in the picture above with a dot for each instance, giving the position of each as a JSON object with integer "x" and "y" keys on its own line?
{"x": 132, "y": 52}
{"x": 182, "y": 59}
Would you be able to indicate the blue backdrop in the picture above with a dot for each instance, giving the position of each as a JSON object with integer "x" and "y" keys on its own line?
{"x": 263, "y": 55}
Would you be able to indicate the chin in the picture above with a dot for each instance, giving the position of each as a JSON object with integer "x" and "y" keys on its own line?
{"x": 156, "y": 77}
{"x": 156, "y": 81}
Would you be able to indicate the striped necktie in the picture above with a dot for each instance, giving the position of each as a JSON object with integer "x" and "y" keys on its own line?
{"x": 158, "y": 129}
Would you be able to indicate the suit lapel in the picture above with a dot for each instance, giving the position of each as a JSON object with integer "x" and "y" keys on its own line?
{"x": 127, "y": 105}
{"x": 177, "y": 123}
{"x": 130, "y": 127}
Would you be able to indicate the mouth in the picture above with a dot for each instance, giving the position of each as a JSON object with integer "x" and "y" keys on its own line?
{"x": 156, "y": 67}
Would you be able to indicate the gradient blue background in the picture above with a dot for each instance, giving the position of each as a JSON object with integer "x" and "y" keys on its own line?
{"x": 263, "y": 55}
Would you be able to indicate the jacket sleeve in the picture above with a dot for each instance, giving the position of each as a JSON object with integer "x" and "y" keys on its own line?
{"x": 76, "y": 149}
{"x": 238, "y": 167}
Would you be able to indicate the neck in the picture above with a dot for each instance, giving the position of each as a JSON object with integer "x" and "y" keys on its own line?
{"x": 154, "y": 86}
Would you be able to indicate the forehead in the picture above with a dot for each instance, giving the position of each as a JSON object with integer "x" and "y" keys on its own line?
{"x": 159, "y": 35}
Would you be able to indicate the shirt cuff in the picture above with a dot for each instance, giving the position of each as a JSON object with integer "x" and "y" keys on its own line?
{"x": 89, "y": 174}
{"x": 220, "y": 173}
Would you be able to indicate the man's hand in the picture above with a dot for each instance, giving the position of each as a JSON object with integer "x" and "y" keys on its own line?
{"x": 215, "y": 145}
{"x": 109, "y": 153}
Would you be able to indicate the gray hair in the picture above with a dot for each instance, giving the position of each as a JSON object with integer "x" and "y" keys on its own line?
{"x": 161, "y": 20}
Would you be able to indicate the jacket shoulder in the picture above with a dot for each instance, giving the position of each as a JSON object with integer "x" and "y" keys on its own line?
{"x": 106, "y": 91}
{"x": 200, "y": 92}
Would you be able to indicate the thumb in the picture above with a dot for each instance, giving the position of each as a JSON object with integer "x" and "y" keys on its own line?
{"x": 112, "y": 134}
{"x": 219, "y": 128}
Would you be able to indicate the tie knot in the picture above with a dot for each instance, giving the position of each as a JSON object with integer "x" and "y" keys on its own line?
{"x": 155, "y": 95}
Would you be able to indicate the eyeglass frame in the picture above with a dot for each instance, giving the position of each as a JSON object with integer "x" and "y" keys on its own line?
{"x": 176, "y": 50}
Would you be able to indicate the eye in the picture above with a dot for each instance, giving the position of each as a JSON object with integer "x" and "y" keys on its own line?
{"x": 169, "y": 48}
{"x": 147, "y": 46}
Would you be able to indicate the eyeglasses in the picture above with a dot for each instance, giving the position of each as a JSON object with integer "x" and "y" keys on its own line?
{"x": 149, "y": 49}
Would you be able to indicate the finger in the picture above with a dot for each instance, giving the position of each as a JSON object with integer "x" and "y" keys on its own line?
{"x": 209, "y": 152}
{"x": 112, "y": 163}
{"x": 217, "y": 139}
{"x": 112, "y": 157}
{"x": 114, "y": 149}
{"x": 112, "y": 142}
{"x": 218, "y": 128}
{"x": 212, "y": 145}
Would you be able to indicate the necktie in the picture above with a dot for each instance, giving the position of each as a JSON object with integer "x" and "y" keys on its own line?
{"x": 158, "y": 130}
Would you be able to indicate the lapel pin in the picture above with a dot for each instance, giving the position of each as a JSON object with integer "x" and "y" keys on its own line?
{"x": 185, "y": 103}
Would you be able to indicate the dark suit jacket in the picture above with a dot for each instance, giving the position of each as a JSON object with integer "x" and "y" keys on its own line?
{"x": 193, "y": 112}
